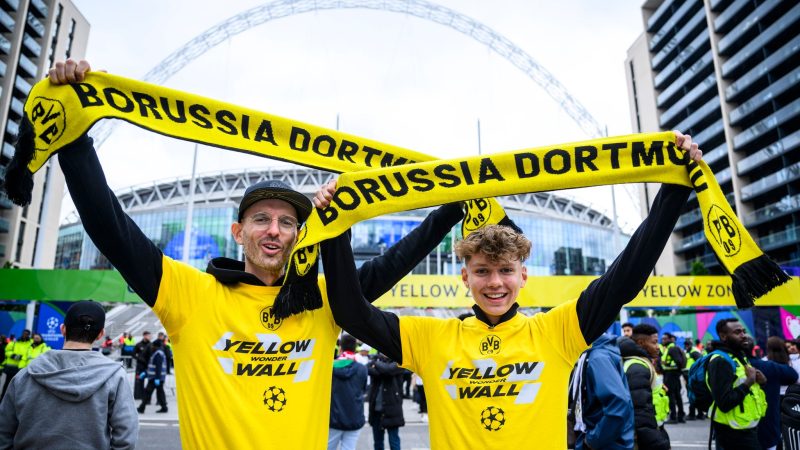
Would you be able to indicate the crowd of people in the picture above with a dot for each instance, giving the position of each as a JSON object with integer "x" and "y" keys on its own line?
{"x": 16, "y": 354}
{"x": 631, "y": 386}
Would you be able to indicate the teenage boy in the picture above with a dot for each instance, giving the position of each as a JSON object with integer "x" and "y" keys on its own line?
{"x": 499, "y": 379}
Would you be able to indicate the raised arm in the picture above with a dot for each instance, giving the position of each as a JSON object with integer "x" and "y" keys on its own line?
{"x": 350, "y": 308}
{"x": 112, "y": 231}
{"x": 380, "y": 274}
{"x": 600, "y": 303}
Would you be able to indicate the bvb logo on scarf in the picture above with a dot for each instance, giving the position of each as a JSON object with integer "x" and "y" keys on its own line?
{"x": 371, "y": 169}
{"x": 724, "y": 230}
{"x": 304, "y": 257}
{"x": 50, "y": 117}
{"x": 477, "y": 215}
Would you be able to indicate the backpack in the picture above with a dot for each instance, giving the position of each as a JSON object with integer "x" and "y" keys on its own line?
{"x": 790, "y": 417}
{"x": 698, "y": 391}
{"x": 577, "y": 389}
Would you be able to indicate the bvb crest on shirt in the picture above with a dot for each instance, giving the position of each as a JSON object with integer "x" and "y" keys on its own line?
{"x": 275, "y": 398}
{"x": 490, "y": 345}
{"x": 269, "y": 320}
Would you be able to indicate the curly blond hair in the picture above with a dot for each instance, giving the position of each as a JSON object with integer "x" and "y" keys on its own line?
{"x": 497, "y": 242}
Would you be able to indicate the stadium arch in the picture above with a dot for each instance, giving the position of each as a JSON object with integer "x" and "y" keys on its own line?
{"x": 422, "y": 9}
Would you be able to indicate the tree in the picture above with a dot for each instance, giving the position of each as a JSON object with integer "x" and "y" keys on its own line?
{"x": 698, "y": 268}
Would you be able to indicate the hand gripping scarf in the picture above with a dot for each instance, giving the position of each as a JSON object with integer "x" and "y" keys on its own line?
{"x": 378, "y": 178}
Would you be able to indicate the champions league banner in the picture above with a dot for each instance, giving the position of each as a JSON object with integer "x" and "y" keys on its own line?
{"x": 49, "y": 323}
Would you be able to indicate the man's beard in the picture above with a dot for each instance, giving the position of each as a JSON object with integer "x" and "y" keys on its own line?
{"x": 736, "y": 346}
{"x": 274, "y": 265}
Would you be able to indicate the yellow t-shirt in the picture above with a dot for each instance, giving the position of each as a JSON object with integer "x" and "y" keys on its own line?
{"x": 502, "y": 387}
{"x": 244, "y": 380}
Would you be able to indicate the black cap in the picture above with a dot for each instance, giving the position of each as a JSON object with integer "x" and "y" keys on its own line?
{"x": 278, "y": 190}
{"x": 94, "y": 314}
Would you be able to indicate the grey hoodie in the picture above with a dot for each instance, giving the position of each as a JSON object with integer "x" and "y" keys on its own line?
{"x": 69, "y": 399}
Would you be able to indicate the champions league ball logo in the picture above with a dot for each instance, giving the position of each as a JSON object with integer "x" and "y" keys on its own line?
{"x": 275, "y": 398}
{"x": 52, "y": 323}
{"x": 493, "y": 418}
{"x": 53, "y": 334}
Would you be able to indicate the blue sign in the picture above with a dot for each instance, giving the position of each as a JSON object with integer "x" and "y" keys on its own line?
{"x": 49, "y": 326}
{"x": 201, "y": 246}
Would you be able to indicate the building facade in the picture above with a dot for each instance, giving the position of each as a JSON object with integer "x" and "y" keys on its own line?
{"x": 33, "y": 35}
{"x": 568, "y": 238}
{"x": 727, "y": 72}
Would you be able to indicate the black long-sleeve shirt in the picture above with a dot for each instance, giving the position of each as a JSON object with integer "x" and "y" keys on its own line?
{"x": 140, "y": 261}
{"x": 597, "y": 306}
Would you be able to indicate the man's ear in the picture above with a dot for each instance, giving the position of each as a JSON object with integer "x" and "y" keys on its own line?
{"x": 102, "y": 332}
{"x": 236, "y": 231}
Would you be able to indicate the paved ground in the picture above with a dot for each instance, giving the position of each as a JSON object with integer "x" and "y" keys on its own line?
{"x": 161, "y": 431}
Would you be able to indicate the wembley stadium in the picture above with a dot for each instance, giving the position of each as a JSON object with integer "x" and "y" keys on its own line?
{"x": 568, "y": 238}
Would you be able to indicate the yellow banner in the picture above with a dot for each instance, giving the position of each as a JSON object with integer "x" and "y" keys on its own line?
{"x": 441, "y": 291}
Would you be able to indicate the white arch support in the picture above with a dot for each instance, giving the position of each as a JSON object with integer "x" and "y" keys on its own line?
{"x": 418, "y": 8}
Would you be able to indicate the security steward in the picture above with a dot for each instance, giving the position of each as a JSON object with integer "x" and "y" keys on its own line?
{"x": 739, "y": 402}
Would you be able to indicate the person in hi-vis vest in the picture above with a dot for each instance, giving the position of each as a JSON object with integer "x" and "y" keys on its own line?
{"x": 16, "y": 351}
{"x": 739, "y": 402}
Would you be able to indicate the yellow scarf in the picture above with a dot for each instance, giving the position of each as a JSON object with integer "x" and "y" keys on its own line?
{"x": 379, "y": 178}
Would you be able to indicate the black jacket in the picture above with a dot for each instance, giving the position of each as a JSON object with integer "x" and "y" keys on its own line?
{"x": 347, "y": 395}
{"x": 385, "y": 393}
{"x": 648, "y": 433}
{"x": 141, "y": 353}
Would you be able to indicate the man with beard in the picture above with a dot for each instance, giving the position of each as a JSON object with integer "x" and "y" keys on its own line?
{"x": 739, "y": 402}
{"x": 243, "y": 372}
{"x": 638, "y": 353}
{"x": 627, "y": 329}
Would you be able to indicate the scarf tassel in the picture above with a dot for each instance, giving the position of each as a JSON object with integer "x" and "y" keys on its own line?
{"x": 754, "y": 279}
{"x": 296, "y": 296}
{"x": 19, "y": 180}
{"x": 506, "y": 221}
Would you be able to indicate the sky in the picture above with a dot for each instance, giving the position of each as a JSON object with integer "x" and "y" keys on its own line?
{"x": 383, "y": 75}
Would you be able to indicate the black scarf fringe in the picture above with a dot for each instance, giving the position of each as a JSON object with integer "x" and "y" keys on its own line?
{"x": 507, "y": 222}
{"x": 298, "y": 294}
{"x": 754, "y": 279}
{"x": 19, "y": 180}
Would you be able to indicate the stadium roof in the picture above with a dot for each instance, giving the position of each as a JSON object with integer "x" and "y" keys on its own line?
{"x": 228, "y": 186}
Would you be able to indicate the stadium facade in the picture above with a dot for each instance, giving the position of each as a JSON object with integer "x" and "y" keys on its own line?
{"x": 728, "y": 73}
{"x": 568, "y": 238}
{"x": 33, "y": 34}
